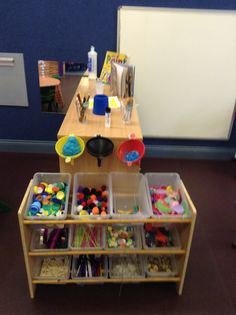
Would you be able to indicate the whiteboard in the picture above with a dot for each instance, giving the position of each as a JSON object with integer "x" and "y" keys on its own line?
{"x": 185, "y": 70}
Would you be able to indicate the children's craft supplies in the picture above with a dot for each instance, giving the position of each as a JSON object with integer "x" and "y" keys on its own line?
{"x": 167, "y": 201}
{"x": 88, "y": 266}
{"x": 92, "y": 63}
{"x": 108, "y": 117}
{"x": 136, "y": 209}
{"x": 87, "y": 237}
{"x": 157, "y": 236}
{"x": 100, "y": 103}
{"x": 122, "y": 80}
{"x": 71, "y": 147}
{"x": 92, "y": 201}
{"x": 121, "y": 237}
{"x": 132, "y": 156}
{"x": 106, "y": 69}
{"x": 125, "y": 267}
{"x": 127, "y": 107}
{"x": 157, "y": 264}
{"x": 50, "y": 238}
{"x": 99, "y": 86}
{"x": 48, "y": 200}
{"x": 81, "y": 107}
{"x": 55, "y": 267}
{"x": 131, "y": 151}
{"x": 113, "y": 102}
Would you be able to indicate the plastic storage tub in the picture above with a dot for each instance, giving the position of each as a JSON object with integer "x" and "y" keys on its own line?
{"x": 100, "y": 263}
{"x": 52, "y": 268}
{"x": 97, "y": 181}
{"x": 167, "y": 180}
{"x": 49, "y": 239}
{"x": 84, "y": 237}
{"x": 126, "y": 266}
{"x": 122, "y": 237}
{"x": 173, "y": 237}
{"x": 162, "y": 272}
{"x": 54, "y": 203}
{"x": 129, "y": 195}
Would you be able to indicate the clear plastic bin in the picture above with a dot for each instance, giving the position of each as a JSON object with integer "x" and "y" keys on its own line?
{"x": 175, "y": 237}
{"x": 129, "y": 195}
{"x": 137, "y": 243}
{"x": 103, "y": 267}
{"x": 90, "y": 180}
{"x": 49, "y": 178}
{"x": 168, "y": 179}
{"x": 126, "y": 266}
{"x": 91, "y": 237}
{"x": 173, "y": 266}
{"x": 38, "y": 244}
{"x": 61, "y": 272}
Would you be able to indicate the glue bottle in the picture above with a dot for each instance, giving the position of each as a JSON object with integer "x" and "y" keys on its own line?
{"x": 108, "y": 117}
{"x": 92, "y": 63}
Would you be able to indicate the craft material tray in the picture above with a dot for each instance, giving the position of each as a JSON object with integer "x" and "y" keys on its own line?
{"x": 129, "y": 196}
{"x": 62, "y": 180}
{"x": 101, "y": 266}
{"x": 55, "y": 267}
{"x": 94, "y": 187}
{"x": 91, "y": 237}
{"x": 158, "y": 184}
{"x": 173, "y": 242}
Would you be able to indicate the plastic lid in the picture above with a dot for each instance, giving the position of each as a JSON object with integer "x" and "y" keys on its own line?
{"x": 108, "y": 110}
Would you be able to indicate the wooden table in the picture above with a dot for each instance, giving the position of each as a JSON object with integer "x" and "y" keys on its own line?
{"x": 48, "y": 81}
{"x": 96, "y": 125}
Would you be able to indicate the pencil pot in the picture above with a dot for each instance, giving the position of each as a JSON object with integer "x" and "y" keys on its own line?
{"x": 100, "y": 104}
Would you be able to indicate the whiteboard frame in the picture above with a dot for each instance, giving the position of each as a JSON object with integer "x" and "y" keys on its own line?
{"x": 164, "y": 9}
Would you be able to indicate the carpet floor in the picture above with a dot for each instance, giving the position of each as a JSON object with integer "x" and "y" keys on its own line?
{"x": 210, "y": 283}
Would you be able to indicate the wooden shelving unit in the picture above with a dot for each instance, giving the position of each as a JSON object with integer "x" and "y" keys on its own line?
{"x": 86, "y": 163}
{"x": 185, "y": 229}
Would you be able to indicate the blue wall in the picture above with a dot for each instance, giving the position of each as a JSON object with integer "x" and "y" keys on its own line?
{"x": 64, "y": 30}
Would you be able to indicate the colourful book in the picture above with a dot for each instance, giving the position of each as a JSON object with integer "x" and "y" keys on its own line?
{"x": 106, "y": 69}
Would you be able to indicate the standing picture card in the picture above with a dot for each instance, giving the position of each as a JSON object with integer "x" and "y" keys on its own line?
{"x": 111, "y": 56}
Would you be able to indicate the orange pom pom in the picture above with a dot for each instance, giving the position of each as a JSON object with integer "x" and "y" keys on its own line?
{"x": 104, "y": 193}
{"x": 95, "y": 210}
{"x": 93, "y": 197}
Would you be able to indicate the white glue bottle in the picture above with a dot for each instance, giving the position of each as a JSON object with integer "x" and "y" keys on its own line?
{"x": 92, "y": 63}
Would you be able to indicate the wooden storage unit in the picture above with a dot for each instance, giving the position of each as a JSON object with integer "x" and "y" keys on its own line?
{"x": 94, "y": 125}
{"x": 185, "y": 227}
{"x": 86, "y": 163}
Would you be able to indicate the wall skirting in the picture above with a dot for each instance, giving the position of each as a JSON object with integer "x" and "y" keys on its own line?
{"x": 161, "y": 151}
{"x": 27, "y": 146}
{"x": 190, "y": 152}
